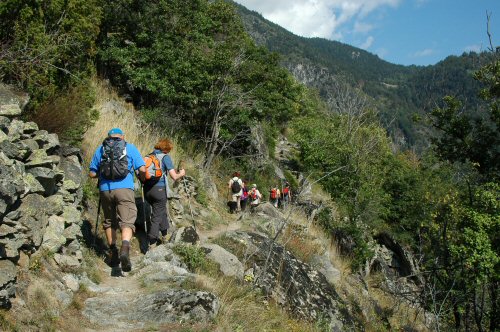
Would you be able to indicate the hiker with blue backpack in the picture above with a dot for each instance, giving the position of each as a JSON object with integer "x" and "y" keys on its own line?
{"x": 159, "y": 165}
{"x": 114, "y": 164}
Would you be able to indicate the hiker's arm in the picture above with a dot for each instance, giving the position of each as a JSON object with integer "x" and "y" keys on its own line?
{"x": 175, "y": 176}
{"x": 141, "y": 173}
{"x": 94, "y": 164}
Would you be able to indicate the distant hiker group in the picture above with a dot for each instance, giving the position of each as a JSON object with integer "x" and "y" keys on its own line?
{"x": 114, "y": 163}
{"x": 241, "y": 196}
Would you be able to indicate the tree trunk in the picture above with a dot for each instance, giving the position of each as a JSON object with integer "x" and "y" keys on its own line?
{"x": 211, "y": 147}
{"x": 495, "y": 308}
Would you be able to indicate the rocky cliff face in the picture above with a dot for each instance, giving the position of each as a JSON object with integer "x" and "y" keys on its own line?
{"x": 40, "y": 194}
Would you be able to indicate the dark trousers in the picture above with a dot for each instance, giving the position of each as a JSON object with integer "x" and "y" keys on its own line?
{"x": 243, "y": 204}
{"x": 157, "y": 198}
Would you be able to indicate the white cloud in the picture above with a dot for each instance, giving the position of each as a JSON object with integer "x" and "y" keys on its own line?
{"x": 361, "y": 27}
{"x": 420, "y": 3}
{"x": 473, "y": 48}
{"x": 382, "y": 52}
{"x": 316, "y": 18}
{"x": 368, "y": 42}
{"x": 423, "y": 53}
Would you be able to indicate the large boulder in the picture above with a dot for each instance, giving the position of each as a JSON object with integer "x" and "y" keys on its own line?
{"x": 267, "y": 209}
{"x": 295, "y": 285}
{"x": 229, "y": 264}
{"x": 163, "y": 307}
{"x": 397, "y": 265}
{"x": 258, "y": 146}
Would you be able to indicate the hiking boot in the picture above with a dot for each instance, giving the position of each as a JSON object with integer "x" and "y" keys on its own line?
{"x": 165, "y": 238}
{"x": 124, "y": 258}
{"x": 112, "y": 256}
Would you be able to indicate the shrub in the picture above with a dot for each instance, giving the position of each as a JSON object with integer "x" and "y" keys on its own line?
{"x": 194, "y": 257}
{"x": 69, "y": 114}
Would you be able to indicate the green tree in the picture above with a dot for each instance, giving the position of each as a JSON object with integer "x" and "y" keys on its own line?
{"x": 47, "y": 45}
{"x": 195, "y": 65}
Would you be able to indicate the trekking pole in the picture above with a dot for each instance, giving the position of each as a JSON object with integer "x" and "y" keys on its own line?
{"x": 97, "y": 221}
{"x": 181, "y": 162}
{"x": 144, "y": 215}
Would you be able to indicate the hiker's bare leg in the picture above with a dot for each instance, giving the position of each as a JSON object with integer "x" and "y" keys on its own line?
{"x": 127, "y": 234}
{"x": 238, "y": 203}
{"x": 110, "y": 235}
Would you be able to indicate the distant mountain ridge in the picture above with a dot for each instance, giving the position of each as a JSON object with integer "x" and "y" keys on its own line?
{"x": 399, "y": 92}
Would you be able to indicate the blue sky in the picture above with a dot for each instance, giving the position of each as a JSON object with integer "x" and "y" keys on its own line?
{"x": 420, "y": 32}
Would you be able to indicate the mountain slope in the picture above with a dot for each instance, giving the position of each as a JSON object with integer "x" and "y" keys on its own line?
{"x": 398, "y": 92}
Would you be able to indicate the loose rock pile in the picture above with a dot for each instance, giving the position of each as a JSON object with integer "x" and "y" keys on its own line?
{"x": 40, "y": 194}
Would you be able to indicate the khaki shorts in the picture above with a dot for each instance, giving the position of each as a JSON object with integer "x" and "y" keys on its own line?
{"x": 119, "y": 208}
{"x": 235, "y": 197}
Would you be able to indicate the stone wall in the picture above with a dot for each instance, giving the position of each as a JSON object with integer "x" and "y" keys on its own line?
{"x": 40, "y": 194}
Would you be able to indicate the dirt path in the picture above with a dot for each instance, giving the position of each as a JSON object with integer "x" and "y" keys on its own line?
{"x": 234, "y": 225}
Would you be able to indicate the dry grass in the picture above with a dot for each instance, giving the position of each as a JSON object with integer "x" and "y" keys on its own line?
{"x": 136, "y": 132}
{"x": 244, "y": 309}
{"x": 43, "y": 311}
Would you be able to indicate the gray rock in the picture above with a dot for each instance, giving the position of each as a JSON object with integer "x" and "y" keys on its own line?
{"x": 63, "y": 296}
{"x": 66, "y": 261}
{"x": 8, "y": 275}
{"x": 46, "y": 177}
{"x": 71, "y": 215}
{"x": 73, "y": 232}
{"x": 11, "y": 244}
{"x": 29, "y": 144}
{"x": 6, "y": 230}
{"x": 73, "y": 249}
{"x": 72, "y": 170}
{"x": 3, "y": 136}
{"x": 53, "y": 143}
{"x": 10, "y": 110}
{"x": 9, "y": 272}
{"x": 32, "y": 185}
{"x": 52, "y": 237}
{"x": 324, "y": 265}
{"x": 11, "y": 186}
{"x": 67, "y": 151}
{"x": 71, "y": 281}
{"x": 4, "y": 123}
{"x": 55, "y": 205}
{"x": 228, "y": 263}
{"x": 186, "y": 235}
{"x": 168, "y": 306}
{"x": 39, "y": 158}
{"x": 14, "y": 150}
{"x": 15, "y": 130}
{"x": 295, "y": 285}
{"x": 30, "y": 127}
{"x": 9, "y": 95}
{"x": 269, "y": 210}
{"x": 258, "y": 145}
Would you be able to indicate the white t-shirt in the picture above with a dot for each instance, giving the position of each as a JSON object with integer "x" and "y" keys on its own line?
{"x": 241, "y": 186}
{"x": 257, "y": 195}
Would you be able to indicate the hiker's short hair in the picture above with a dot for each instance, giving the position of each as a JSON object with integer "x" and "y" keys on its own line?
{"x": 236, "y": 174}
{"x": 164, "y": 145}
